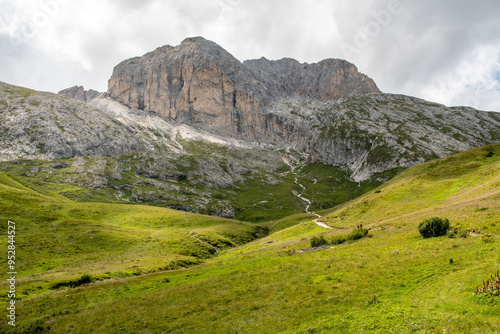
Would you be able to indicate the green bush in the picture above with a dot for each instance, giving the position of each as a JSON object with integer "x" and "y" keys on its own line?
{"x": 337, "y": 240}
{"x": 74, "y": 282}
{"x": 318, "y": 241}
{"x": 456, "y": 233}
{"x": 356, "y": 234}
{"x": 433, "y": 227}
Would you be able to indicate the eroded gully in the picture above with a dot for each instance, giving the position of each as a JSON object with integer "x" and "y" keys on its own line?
{"x": 293, "y": 168}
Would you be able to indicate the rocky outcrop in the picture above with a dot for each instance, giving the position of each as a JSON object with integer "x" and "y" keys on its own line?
{"x": 376, "y": 133}
{"x": 330, "y": 79}
{"x": 79, "y": 93}
{"x": 38, "y": 125}
{"x": 201, "y": 84}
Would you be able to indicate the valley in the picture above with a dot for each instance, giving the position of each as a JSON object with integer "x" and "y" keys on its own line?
{"x": 189, "y": 196}
{"x": 391, "y": 281}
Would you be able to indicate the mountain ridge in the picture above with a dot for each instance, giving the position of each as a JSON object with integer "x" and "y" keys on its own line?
{"x": 287, "y": 103}
{"x": 41, "y": 125}
{"x": 228, "y": 143}
{"x": 297, "y": 105}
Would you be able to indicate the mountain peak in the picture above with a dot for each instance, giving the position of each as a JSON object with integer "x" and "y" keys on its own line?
{"x": 196, "y": 39}
{"x": 201, "y": 84}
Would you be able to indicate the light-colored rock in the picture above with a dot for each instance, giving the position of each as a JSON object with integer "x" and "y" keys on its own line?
{"x": 201, "y": 84}
{"x": 38, "y": 125}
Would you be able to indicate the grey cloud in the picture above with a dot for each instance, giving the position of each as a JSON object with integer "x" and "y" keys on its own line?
{"x": 431, "y": 38}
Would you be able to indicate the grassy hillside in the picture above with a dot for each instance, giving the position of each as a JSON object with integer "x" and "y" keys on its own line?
{"x": 392, "y": 281}
{"x": 463, "y": 187}
{"x": 58, "y": 240}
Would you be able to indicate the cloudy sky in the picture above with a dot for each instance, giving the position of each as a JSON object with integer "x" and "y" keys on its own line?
{"x": 446, "y": 51}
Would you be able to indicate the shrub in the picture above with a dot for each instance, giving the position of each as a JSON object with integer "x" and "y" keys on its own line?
{"x": 74, "y": 282}
{"x": 318, "y": 241}
{"x": 356, "y": 234}
{"x": 433, "y": 227}
{"x": 337, "y": 240}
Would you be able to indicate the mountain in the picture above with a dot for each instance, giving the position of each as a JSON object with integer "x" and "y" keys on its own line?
{"x": 192, "y": 128}
{"x": 201, "y": 84}
{"x": 328, "y": 110}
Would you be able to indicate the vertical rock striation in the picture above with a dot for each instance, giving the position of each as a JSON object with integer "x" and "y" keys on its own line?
{"x": 330, "y": 79}
{"x": 201, "y": 84}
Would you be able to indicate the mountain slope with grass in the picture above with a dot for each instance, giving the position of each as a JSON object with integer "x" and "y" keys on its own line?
{"x": 464, "y": 187}
{"x": 59, "y": 240}
{"x": 391, "y": 281}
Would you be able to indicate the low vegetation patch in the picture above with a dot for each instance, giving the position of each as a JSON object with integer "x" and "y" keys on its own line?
{"x": 486, "y": 238}
{"x": 73, "y": 283}
{"x": 287, "y": 252}
{"x": 355, "y": 234}
{"x": 490, "y": 287}
{"x": 456, "y": 233}
{"x": 318, "y": 241}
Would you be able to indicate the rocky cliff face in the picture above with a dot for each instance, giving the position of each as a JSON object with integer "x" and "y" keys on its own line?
{"x": 330, "y": 79}
{"x": 201, "y": 84}
{"x": 197, "y": 83}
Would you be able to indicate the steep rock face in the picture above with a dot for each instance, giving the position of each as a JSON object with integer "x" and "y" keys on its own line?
{"x": 38, "y": 125}
{"x": 197, "y": 83}
{"x": 201, "y": 84}
{"x": 330, "y": 79}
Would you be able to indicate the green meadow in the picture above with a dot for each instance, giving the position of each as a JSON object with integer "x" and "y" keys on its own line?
{"x": 116, "y": 268}
{"x": 58, "y": 238}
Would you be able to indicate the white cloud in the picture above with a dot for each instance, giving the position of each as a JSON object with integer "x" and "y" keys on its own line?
{"x": 473, "y": 82}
